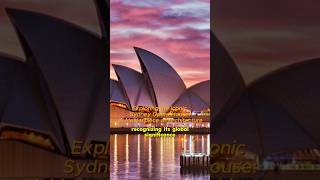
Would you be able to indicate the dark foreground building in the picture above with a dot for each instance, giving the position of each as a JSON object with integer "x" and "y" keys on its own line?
{"x": 277, "y": 115}
{"x": 54, "y": 97}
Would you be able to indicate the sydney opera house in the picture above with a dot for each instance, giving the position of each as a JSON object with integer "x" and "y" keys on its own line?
{"x": 53, "y": 97}
{"x": 159, "y": 85}
{"x": 276, "y": 117}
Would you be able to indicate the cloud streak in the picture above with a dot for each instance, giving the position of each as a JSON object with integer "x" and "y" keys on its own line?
{"x": 176, "y": 30}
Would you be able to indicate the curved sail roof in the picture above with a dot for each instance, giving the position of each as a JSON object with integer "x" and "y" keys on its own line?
{"x": 72, "y": 62}
{"x": 163, "y": 79}
{"x": 202, "y": 89}
{"x": 22, "y": 103}
{"x": 276, "y": 113}
{"x": 296, "y": 89}
{"x": 228, "y": 83}
{"x": 98, "y": 126}
{"x": 191, "y": 101}
{"x": 135, "y": 86}
{"x": 196, "y": 98}
{"x": 8, "y": 67}
{"x": 116, "y": 92}
{"x": 140, "y": 88}
{"x": 264, "y": 126}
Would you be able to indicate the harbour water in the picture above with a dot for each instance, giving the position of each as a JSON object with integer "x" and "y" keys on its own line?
{"x": 134, "y": 156}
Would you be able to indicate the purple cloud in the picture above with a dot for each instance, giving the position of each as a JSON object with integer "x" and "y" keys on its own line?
{"x": 178, "y": 31}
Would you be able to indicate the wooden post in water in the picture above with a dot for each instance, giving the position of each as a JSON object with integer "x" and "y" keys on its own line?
{"x": 189, "y": 161}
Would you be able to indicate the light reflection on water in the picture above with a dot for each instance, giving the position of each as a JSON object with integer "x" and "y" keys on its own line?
{"x": 138, "y": 157}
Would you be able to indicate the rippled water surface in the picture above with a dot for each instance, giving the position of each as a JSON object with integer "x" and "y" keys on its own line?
{"x": 138, "y": 157}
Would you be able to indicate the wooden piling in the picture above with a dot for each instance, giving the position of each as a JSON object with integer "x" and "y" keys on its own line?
{"x": 194, "y": 161}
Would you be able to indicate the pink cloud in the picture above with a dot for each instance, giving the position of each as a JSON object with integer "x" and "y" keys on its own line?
{"x": 185, "y": 48}
{"x": 182, "y": 54}
{"x": 145, "y": 17}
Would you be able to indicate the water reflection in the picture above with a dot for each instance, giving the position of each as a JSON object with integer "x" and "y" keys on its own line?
{"x": 140, "y": 157}
{"x": 115, "y": 153}
{"x": 127, "y": 157}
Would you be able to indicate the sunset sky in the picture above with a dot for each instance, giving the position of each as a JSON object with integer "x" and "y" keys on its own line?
{"x": 261, "y": 35}
{"x": 176, "y": 30}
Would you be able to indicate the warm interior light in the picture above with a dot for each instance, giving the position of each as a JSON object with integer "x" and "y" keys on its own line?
{"x": 118, "y": 104}
{"x": 29, "y": 136}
